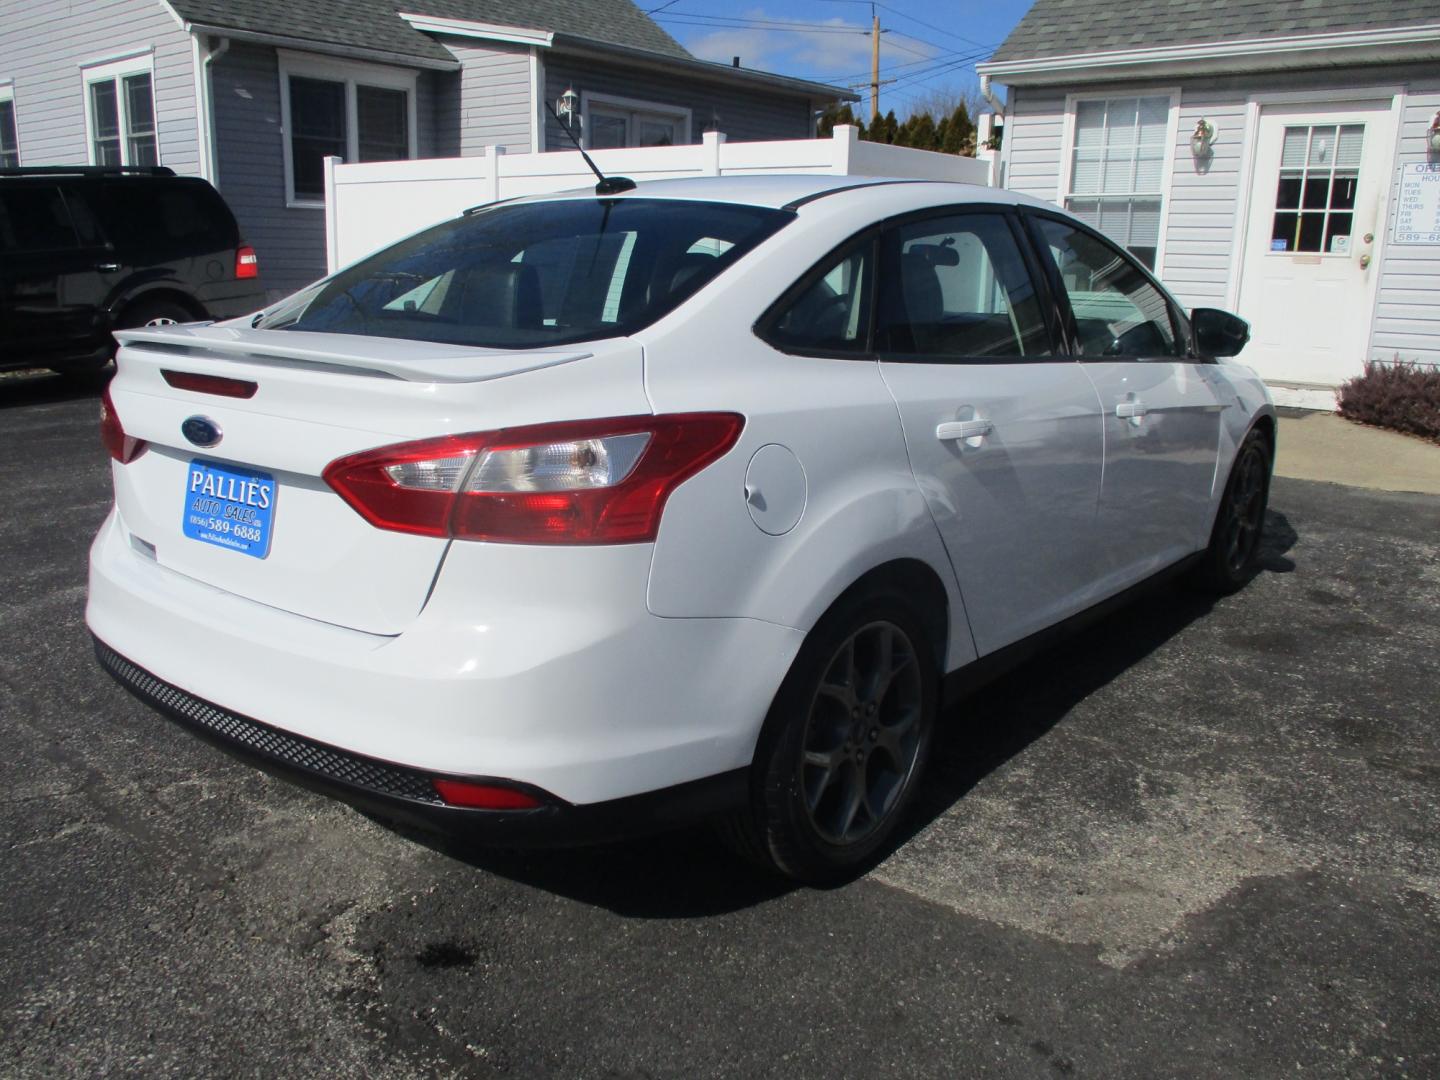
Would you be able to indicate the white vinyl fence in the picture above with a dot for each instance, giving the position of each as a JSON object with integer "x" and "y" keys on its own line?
{"x": 371, "y": 205}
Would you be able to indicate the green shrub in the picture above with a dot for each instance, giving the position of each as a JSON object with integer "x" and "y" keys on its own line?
{"x": 1402, "y": 397}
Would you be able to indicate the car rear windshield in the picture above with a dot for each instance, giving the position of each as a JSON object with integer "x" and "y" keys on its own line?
{"x": 529, "y": 275}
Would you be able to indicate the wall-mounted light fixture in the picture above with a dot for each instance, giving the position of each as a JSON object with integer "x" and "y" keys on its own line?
{"x": 1432, "y": 136}
{"x": 1202, "y": 138}
{"x": 566, "y": 105}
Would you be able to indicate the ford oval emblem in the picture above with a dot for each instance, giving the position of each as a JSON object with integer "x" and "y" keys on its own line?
{"x": 201, "y": 430}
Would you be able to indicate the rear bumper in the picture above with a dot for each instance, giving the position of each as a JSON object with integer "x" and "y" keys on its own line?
{"x": 408, "y": 795}
{"x": 523, "y": 666}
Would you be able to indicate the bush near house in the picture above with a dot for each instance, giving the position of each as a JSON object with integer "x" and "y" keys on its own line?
{"x": 1402, "y": 397}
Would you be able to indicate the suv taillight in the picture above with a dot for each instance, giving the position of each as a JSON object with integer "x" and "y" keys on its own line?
{"x": 120, "y": 446}
{"x": 246, "y": 264}
{"x": 580, "y": 482}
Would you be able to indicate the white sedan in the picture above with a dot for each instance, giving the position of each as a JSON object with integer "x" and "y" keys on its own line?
{"x": 586, "y": 514}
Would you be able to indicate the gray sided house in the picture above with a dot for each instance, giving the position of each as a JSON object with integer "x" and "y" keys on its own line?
{"x": 1279, "y": 160}
{"x": 253, "y": 94}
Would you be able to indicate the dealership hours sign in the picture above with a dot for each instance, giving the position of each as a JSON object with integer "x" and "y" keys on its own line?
{"x": 1417, "y": 218}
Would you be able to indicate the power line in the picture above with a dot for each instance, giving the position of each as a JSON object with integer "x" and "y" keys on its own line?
{"x": 912, "y": 18}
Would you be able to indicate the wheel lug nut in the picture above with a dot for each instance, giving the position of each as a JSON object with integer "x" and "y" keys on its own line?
{"x": 874, "y": 734}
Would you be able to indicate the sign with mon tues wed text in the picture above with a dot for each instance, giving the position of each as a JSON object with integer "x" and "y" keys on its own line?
{"x": 1417, "y": 216}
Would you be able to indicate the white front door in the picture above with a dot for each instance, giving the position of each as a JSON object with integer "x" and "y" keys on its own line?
{"x": 1310, "y": 260}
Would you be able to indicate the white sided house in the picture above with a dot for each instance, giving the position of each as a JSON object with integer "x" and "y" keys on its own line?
{"x": 1278, "y": 160}
{"x": 254, "y": 95}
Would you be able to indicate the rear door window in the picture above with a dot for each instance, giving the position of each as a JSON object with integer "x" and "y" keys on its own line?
{"x": 956, "y": 286}
{"x": 829, "y": 309}
{"x": 34, "y": 217}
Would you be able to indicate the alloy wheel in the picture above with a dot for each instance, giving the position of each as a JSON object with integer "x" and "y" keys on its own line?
{"x": 862, "y": 735}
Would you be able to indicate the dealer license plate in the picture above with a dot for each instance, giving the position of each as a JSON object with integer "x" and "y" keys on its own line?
{"x": 230, "y": 507}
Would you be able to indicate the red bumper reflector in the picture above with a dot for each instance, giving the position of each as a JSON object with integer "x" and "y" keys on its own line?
{"x": 484, "y": 796}
{"x": 210, "y": 384}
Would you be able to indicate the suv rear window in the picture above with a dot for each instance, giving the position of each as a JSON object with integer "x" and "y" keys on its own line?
{"x": 534, "y": 274}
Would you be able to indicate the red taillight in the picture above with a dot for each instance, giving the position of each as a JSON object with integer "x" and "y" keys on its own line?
{"x": 210, "y": 384}
{"x": 580, "y": 482}
{"x": 120, "y": 446}
{"x": 485, "y": 796}
{"x": 246, "y": 264}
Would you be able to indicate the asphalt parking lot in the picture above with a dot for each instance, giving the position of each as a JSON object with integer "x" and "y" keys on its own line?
{"x": 1197, "y": 840}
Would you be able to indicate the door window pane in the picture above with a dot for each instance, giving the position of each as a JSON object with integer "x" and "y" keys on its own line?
{"x": 317, "y": 131}
{"x": 957, "y": 287}
{"x": 1118, "y": 312}
{"x": 9, "y": 140}
{"x": 384, "y": 120}
{"x": 1319, "y": 171}
{"x": 832, "y": 313}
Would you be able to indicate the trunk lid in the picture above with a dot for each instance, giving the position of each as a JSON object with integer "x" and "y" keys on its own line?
{"x": 320, "y": 397}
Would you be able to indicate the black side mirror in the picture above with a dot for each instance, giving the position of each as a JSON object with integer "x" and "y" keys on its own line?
{"x": 1218, "y": 333}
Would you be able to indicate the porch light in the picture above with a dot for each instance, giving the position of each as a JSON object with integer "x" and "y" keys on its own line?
{"x": 565, "y": 106}
{"x": 1202, "y": 138}
{"x": 1433, "y": 134}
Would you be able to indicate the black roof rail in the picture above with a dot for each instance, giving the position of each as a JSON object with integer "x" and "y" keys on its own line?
{"x": 87, "y": 170}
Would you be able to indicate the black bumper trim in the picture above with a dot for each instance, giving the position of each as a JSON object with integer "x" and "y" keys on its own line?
{"x": 407, "y": 794}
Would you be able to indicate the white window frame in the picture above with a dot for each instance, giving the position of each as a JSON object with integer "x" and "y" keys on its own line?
{"x": 1167, "y": 168}
{"x": 114, "y": 69}
{"x": 7, "y": 93}
{"x": 679, "y": 114}
{"x": 352, "y": 74}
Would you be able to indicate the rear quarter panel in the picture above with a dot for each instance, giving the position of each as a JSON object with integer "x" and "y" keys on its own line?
{"x": 861, "y": 505}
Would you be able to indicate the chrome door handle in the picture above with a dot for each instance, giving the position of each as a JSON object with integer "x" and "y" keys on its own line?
{"x": 1132, "y": 410}
{"x": 107, "y": 267}
{"x": 963, "y": 429}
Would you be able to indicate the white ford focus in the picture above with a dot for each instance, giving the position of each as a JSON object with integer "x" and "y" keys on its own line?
{"x": 582, "y": 514}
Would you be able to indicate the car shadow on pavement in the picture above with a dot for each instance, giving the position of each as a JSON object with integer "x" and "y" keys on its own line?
{"x": 690, "y": 874}
{"x": 47, "y": 387}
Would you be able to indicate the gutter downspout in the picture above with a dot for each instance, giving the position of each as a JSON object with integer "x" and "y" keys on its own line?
{"x": 990, "y": 98}
{"x": 209, "y": 148}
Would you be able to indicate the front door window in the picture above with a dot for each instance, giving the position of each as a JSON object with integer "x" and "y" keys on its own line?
{"x": 1315, "y": 200}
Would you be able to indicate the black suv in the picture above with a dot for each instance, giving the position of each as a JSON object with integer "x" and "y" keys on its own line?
{"x": 84, "y": 251}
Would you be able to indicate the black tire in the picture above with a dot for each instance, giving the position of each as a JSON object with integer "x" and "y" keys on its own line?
{"x": 1233, "y": 557}
{"x": 844, "y": 744}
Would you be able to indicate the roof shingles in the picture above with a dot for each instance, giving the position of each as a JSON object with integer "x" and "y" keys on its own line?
{"x": 1068, "y": 27}
{"x": 374, "y": 25}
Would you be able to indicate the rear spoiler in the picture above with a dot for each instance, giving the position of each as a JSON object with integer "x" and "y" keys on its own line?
{"x": 346, "y": 353}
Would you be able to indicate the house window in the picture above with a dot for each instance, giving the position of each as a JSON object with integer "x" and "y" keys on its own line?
{"x": 1117, "y": 169}
{"x": 353, "y": 112}
{"x": 616, "y": 122}
{"x": 9, "y": 137}
{"x": 120, "y": 112}
{"x": 1315, "y": 203}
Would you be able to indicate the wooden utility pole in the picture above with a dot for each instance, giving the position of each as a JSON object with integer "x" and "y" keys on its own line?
{"x": 874, "y": 67}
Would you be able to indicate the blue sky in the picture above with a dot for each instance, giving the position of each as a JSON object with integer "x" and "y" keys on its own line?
{"x": 924, "y": 44}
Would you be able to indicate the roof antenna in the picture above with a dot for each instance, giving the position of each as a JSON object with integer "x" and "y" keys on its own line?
{"x": 608, "y": 185}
